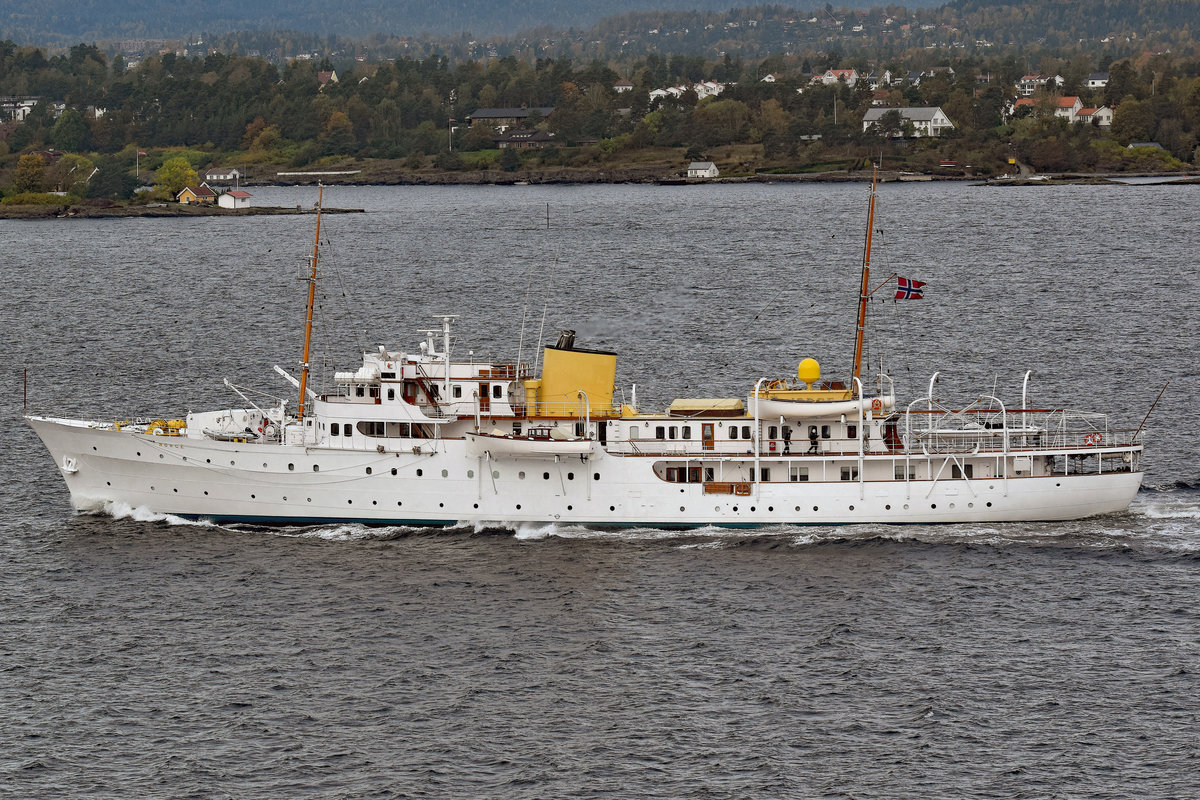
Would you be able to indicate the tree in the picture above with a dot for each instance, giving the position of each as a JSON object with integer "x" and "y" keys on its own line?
{"x": 338, "y": 137}
{"x": 175, "y": 174}
{"x": 1133, "y": 121}
{"x": 69, "y": 132}
{"x": 29, "y": 174}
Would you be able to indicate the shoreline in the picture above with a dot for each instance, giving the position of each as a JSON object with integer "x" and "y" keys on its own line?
{"x": 168, "y": 210}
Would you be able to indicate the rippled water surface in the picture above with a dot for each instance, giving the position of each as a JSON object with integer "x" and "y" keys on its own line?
{"x": 144, "y": 657}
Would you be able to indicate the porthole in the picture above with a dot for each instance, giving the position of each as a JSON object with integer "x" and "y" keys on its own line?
{"x": 570, "y": 476}
{"x": 349, "y": 502}
{"x": 206, "y": 461}
{"x": 495, "y": 473}
{"x": 316, "y": 467}
{"x": 108, "y": 483}
{"x": 94, "y": 448}
{"x": 470, "y": 473}
{"x": 393, "y": 470}
{"x": 814, "y": 508}
{"x": 518, "y": 506}
{"x": 1058, "y": 484}
{"x": 906, "y": 506}
{"x": 291, "y": 467}
{"x": 368, "y": 470}
{"x": 521, "y": 475}
{"x": 399, "y": 503}
{"x": 952, "y": 505}
{"x": 770, "y": 508}
{"x": 933, "y": 505}
{"x": 152, "y": 488}
{"x": 476, "y": 505}
{"x": 251, "y": 497}
{"x": 887, "y": 508}
{"x": 989, "y": 505}
{"x": 139, "y": 452}
{"x": 206, "y": 494}
{"x": 596, "y": 476}
{"x": 285, "y": 498}
{"x": 160, "y": 455}
{"x": 374, "y": 502}
{"x": 851, "y": 508}
{"x": 970, "y": 505}
{"x": 445, "y": 473}
{"x": 681, "y": 508}
{"x": 264, "y": 465}
{"x": 753, "y": 508}
{"x": 797, "y": 508}
{"x": 185, "y": 458}
{"x": 612, "y": 508}
{"x": 443, "y": 505}
{"x": 232, "y": 464}
{"x": 420, "y": 472}
{"x": 546, "y": 476}
{"x": 735, "y": 508}
{"x": 309, "y": 499}
{"x": 176, "y": 491}
{"x": 572, "y": 508}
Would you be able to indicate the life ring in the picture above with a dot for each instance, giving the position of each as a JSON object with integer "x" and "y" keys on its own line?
{"x": 1093, "y": 439}
{"x": 877, "y": 405}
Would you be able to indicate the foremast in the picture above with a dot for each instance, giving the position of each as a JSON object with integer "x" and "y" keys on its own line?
{"x": 312, "y": 295}
{"x": 864, "y": 289}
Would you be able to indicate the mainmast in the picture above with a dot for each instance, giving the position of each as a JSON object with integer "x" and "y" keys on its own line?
{"x": 312, "y": 295}
{"x": 863, "y": 292}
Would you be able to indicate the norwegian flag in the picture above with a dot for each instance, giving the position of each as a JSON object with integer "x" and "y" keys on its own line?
{"x": 909, "y": 289}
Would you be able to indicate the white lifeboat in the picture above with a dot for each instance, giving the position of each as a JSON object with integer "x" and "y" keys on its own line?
{"x": 538, "y": 443}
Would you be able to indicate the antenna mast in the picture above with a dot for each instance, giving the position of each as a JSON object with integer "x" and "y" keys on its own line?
{"x": 863, "y": 292}
{"x": 312, "y": 295}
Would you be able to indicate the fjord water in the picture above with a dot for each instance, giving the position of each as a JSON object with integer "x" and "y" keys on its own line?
{"x": 142, "y": 657}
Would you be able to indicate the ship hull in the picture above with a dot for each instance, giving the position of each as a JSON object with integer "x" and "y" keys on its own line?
{"x": 445, "y": 485}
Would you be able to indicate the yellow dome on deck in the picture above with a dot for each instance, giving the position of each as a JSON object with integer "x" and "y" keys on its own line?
{"x": 809, "y": 371}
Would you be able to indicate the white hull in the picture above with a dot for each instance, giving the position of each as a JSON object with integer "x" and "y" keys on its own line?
{"x": 274, "y": 483}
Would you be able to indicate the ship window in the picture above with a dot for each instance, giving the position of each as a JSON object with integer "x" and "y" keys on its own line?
{"x": 849, "y": 473}
{"x": 693, "y": 474}
{"x": 773, "y": 432}
{"x": 674, "y": 431}
{"x": 371, "y": 428}
{"x": 798, "y": 474}
{"x": 956, "y": 472}
{"x": 899, "y": 473}
{"x": 766, "y": 474}
{"x": 435, "y": 389}
{"x": 375, "y": 392}
{"x": 851, "y": 431}
{"x": 745, "y": 431}
{"x": 497, "y": 391}
{"x": 709, "y": 474}
{"x": 516, "y": 429}
{"x": 358, "y": 391}
{"x": 397, "y": 430}
{"x": 570, "y": 476}
{"x": 660, "y": 432}
{"x": 687, "y": 431}
{"x": 733, "y": 432}
{"x": 335, "y": 429}
{"x": 391, "y": 393}
{"x": 457, "y": 390}
{"x": 825, "y": 432}
{"x": 634, "y": 433}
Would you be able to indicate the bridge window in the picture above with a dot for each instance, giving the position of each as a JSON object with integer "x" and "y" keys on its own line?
{"x": 370, "y": 428}
{"x": 798, "y": 474}
{"x": 497, "y": 391}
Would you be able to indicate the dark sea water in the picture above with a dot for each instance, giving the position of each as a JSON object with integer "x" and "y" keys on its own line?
{"x": 145, "y": 658}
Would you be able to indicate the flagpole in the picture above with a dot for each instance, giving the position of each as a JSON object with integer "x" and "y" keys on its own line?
{"x": 863, "y": 292}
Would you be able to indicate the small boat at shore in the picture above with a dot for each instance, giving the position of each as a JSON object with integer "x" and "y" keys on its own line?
{"x": 415, "y": 436}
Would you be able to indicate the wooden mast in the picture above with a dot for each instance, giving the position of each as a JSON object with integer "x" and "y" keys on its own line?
{"x": 864, "y": 290}
{"x": 312, "y": 295}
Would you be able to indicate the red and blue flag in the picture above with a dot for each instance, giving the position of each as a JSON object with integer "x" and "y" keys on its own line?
{"x": 909, "y": 289}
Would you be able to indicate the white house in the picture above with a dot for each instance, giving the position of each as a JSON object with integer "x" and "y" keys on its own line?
{"x": 622, "y": 86}
{"x": 224, "y": 174}
{"x": 846, "y": 76}
{"x": 234, "y": 199}
{"x": 1031, "y": 83}
{"x": 1101, "y": 116}
{"x": 1097, "y": 80}
{"x": 703, "y": 169}
{"x": 1068, "y": 108}
{"x": 926, "y": 120}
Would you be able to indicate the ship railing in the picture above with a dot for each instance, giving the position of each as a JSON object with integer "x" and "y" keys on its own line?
{"x": 985, "y": 428}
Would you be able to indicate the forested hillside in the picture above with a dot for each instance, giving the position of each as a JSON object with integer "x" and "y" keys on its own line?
{"x": 72, "y": 21}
